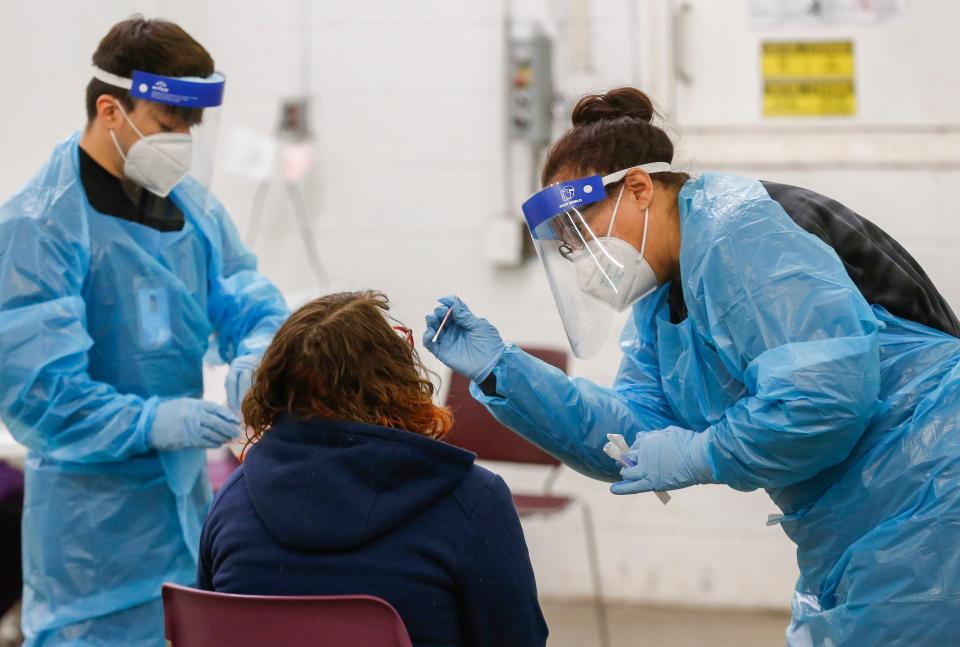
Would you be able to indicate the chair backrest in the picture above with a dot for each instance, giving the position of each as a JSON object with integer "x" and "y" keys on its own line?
{"x": 220, "y": 469}
{"x": 194, "y": 618}
{"x": 475, "y": 429}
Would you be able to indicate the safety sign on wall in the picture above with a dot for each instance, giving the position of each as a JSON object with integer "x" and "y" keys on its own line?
{"x": 808, "y": 79}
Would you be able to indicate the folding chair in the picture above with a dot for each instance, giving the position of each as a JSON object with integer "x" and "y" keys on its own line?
{"x": 475, "y": 429}
{"x": 194, "y": 618}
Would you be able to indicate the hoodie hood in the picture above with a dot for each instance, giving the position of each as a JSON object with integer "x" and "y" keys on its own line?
{"x": 333, "y": 485}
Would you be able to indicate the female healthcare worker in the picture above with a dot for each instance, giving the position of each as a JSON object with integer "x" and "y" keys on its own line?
{"x": 777, "y": 340}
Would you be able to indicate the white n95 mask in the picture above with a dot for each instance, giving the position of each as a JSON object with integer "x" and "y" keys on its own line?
{"x": 612, "y": 270}
{"x": 156, "y": 162}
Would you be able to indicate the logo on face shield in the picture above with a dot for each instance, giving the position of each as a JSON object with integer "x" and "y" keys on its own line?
{"x": 567, "y": 192}
{"x": 160, "y": 86}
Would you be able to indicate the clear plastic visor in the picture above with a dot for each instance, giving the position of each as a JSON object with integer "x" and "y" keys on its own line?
{"x": 576, "y": 258}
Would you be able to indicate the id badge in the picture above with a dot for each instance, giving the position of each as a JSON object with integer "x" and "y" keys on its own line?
{"x": 154, "y": 306}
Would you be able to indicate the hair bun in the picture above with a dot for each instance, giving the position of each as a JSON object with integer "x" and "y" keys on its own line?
{"x": 615, "y": 104}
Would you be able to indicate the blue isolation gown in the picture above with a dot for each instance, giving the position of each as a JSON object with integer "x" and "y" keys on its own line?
{"x": 101, "y": 318}
{"x": 846, "y": 414}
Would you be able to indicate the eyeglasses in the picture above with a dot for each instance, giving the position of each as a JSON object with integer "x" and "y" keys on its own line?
{"x": 573, "y": 230}
{"x": 406, "y": 333}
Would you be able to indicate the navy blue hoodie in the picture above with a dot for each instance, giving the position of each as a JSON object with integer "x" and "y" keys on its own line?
{"x": 333, "y": 507}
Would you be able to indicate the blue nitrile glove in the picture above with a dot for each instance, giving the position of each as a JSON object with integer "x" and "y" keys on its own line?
{"x": 190, "y": 422}
{"x": 668, "y": 459}
{"x": 469, "y": 345}
{"x": 239, "y": 378}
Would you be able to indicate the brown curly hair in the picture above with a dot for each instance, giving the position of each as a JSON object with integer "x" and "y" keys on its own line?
{"x": 340, "y": 357}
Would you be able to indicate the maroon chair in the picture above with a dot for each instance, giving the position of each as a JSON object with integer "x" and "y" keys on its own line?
{"x": 220, "y": 468}
{"x": 193, "y": 618}
{"x": 478, "y": 431}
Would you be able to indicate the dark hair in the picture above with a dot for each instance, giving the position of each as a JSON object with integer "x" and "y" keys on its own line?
{"x": 339, "y": 357}
{"x": 156, "y": 46}
{"x": 610, "y": 132}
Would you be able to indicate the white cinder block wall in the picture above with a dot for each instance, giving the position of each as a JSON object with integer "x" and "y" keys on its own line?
{"x": 406, "y": 111}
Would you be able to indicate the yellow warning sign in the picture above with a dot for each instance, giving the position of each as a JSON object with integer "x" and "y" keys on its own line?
{"x": 808, "y": 79}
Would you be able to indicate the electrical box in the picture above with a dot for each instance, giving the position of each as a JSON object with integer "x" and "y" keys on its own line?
{"x": 530, "y": 95}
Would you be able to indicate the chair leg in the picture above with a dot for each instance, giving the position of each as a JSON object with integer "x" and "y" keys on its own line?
{"x": 603, "y": 629}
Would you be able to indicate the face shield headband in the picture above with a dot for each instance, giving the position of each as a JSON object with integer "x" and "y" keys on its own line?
{"x": 183, "y": 92}
{"x": 575, "y": 195}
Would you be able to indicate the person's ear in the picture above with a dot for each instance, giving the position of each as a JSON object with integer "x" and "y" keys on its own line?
{"x": 639, "y": 186}
{"x": 108, "y": 113}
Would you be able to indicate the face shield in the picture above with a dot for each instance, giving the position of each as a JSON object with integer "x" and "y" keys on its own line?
{"x": 590, "y": 273}
{"x": 176, "y": 135}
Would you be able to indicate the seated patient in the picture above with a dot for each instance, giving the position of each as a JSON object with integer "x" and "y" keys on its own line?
{"x": 347, "y": 488}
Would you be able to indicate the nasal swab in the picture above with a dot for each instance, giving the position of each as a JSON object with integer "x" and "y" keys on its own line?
{"x": 445, "y": 317}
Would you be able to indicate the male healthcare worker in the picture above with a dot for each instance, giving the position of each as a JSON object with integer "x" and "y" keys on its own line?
{"x": 777, "y": 340}
{"x": 116, "y": 267}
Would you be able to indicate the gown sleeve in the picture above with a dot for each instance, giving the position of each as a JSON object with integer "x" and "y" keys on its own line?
{"x": 784, "y": 316}
{"x": 245, "y": 308}
{"x": 570, "y": 418}
{"x": 48, "y": 400}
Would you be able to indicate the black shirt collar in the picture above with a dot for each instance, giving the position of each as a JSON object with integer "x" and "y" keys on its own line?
{"x": 113, "y": 197}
